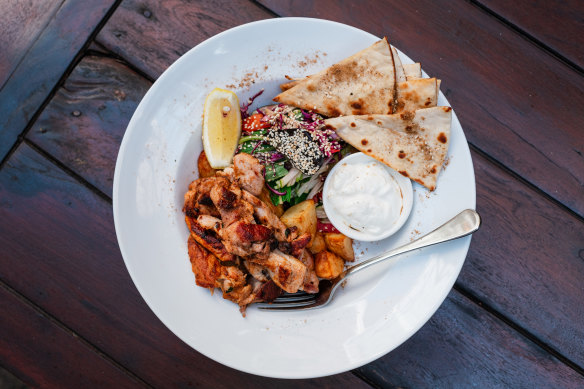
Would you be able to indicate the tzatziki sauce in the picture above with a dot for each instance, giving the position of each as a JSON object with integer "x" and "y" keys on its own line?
{"x": 365, "y": 196}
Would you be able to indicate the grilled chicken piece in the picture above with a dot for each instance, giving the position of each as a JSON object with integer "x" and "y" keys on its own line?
{"x": 210, "y": 223}
{"x": 245, "y": 239}
{"x": 198, "y": 199}
{"x": 209, "y": 240}
{"x": 249, "y": 173}
{"x": 310, "y": 283}
{"x": 258, "y": 272}
{"x": 268, "y": 218}
{"x": 227, "y": 198}
{"x": 205, "y": 265}
{"x": 295, "y": 246}
{"x": 231, "y": 278}
{"x": 285, "y": 270}
{"x": 265, "y": 291}
{"x": 209, "y": 273}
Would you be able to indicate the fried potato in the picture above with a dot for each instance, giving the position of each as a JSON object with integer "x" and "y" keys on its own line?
{"x": 341, "y": 245}
{"x": 265, "y": 197}
{"x": 318, "y": 243}
{"x": 205, "y": 169}
{"x": 303, "y": 217}
{"x": 328, "y": 265}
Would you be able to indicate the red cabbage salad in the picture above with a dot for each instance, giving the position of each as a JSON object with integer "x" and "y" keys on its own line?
{"x": 296, "y": 150}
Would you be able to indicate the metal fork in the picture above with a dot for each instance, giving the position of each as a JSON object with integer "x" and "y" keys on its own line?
{"x": 463, "y": 224}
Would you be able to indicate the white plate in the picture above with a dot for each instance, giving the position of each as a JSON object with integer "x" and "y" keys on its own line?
{"x": 376, "y": 312}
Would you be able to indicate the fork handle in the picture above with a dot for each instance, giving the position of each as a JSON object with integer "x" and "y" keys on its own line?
{"x": 463, "y": 224}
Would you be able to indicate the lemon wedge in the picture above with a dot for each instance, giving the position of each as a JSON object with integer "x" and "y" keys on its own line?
{"x": 221, "y": 127}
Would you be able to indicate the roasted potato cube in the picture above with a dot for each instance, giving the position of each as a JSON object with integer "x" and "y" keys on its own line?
{"x": 318, "y": 243}
{"x": 205, "y": 169}
{"x": 265, "y": 197}
{"x": 341, "y": 245}
{"x": 302, "y": 216}
{"x": 328, "y": 265}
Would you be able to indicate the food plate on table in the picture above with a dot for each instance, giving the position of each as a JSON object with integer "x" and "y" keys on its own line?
{"x": 376, "y": 311}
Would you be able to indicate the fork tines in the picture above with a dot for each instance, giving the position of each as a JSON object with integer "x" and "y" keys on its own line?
{"x": 289, "y": 300}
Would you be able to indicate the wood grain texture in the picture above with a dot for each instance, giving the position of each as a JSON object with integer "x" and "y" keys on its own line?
{"x": 10, "y": 381}
{"x": 45, "y": 355}
{"x": 84, "y": 123}
{"x": 515, "y": 101}
{"x": 21, "y": 22}
{"x": 558, "y": 23}
{"x": 525, "y": 238}
{"x": 48, "y": 58}
{"x": 71, "y": 267}
{"x": 527, "y": 261}
{"x": 153, "y": 34}
{"x": 462, "y": 346}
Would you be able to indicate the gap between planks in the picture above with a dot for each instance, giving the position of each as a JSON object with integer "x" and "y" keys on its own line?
{"x": 464, "y": 291}
{"x": 528, "y": 36}
{"x": 525, "y": 182}
{"x": 74, "y": 62}
{"x": 520, "y": 330}
{"x": 74, "y": 334}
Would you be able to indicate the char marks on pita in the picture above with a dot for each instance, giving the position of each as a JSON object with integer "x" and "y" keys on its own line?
{"x": 413, "y": 143}
{"x": 416, "y": 94}
{"x": 364, "y": 83}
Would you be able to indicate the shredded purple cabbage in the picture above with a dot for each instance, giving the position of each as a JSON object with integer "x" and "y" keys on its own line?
{"x": 307, "y": 116}
{"x": 276, "y": 156}
{"x": 245, "y": 107}
{"x": 256, "y": 146}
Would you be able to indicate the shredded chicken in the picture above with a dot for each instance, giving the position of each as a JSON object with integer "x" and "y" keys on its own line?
{"x": 267, "y": 217}
{"x": 238, "y": 244}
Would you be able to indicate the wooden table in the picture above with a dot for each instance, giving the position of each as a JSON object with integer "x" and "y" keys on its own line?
{"x": 72, "y": 73}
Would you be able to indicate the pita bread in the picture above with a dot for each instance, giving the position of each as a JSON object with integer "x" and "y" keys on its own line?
{"x": 362, "y": 84}
{"x": 400, "y": 75}
{"x": 413, "y": 71}
{"x": 416, "y": 94}
{"x": 290, "y": 84}
{"x": 413, "y": 143}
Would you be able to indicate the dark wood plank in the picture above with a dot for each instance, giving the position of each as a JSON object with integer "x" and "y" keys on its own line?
{"x": 558, "y": 24}
{"x": 84, "y": 123}
{"x": 516, "y": 102}
{"x": 154, "y": 34}
{"x": 463, "y": 346}
{"x": 10, "y": 381}
{"x": 524, "y": 236}
{"x": 69, "y": 264}
{"x": 46, "y": 355}
{"x": 527, "y": 261}
{"x": 45, "y": 62}
{"x": 21, "y": 22}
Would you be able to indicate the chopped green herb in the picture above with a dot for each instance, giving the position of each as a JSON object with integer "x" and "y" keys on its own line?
{"x": 275, "y": 171}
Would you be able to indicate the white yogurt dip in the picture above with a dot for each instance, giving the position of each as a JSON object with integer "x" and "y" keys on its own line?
{"x": 365, "y": 199}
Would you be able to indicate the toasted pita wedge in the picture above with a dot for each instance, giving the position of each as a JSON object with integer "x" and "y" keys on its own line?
{"x": 413, "y": 71}
{"x": 413, "y": 143}
{"x": 290, "y": 84}
{"x": 400, "y": 75}
{"x": 416, "y": 94}
{"x": 364, "y": 83}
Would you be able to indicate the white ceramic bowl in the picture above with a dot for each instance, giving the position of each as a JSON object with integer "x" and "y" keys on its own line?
{"x": 341, "y": 223}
